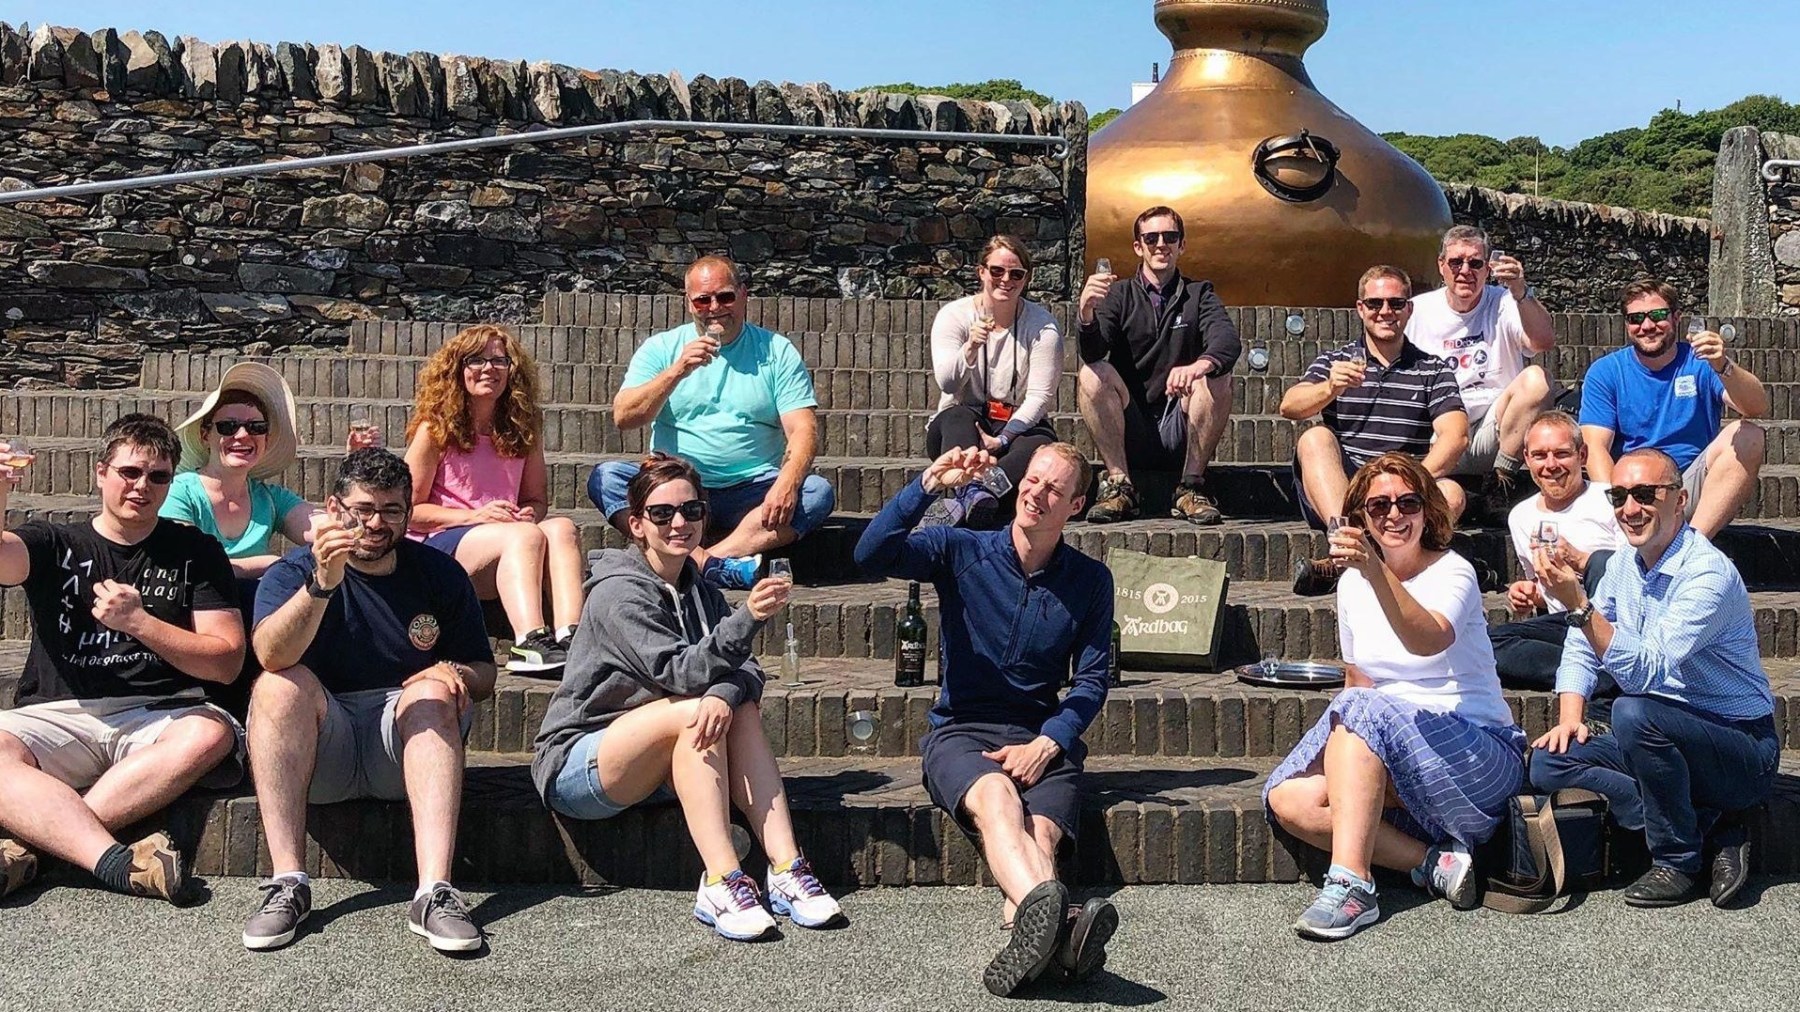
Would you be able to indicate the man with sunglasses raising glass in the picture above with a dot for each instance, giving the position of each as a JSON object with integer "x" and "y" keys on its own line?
{"x": 1671, "y": 394}
{"x": 132, "y": 615}
{"x": 736, "y": 401}
{"x": 1155, "y": 379}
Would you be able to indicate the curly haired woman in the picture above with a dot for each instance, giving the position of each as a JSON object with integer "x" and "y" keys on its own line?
{"x": 480, "y": 488}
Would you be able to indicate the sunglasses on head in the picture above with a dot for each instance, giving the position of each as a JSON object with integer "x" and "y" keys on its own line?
{"x": 999, "y": 273}
{"x": 1646, "y": 495}
{"x": 1376, "y": 305}
{"x": 1653, "y": 315}
{"x": 1159, "y": 238}
{"x": 1380, "y": 506}
{"x": 230, "y": 427}
{"x": 694, "y": 510}
{"x": 705, "y": 300}
{"x": 1473, "y": 263}
{"x": 131, "y": 474}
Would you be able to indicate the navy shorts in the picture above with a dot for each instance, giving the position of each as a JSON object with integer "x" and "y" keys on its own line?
{"x": 447, "y": 539}
{"x": 1307, "y": 512}
{"x": 952, "y": 762}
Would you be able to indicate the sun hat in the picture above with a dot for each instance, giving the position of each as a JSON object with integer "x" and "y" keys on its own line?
{"x": 268, "y": 387}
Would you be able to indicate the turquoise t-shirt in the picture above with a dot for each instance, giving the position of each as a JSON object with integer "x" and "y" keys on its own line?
{"x": 269, "y": 504}
{"x": 725, "y": 417}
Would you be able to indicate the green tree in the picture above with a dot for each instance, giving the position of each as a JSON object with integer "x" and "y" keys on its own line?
{"x": 1100, "y": 119}
{"x": 998, "y": 90}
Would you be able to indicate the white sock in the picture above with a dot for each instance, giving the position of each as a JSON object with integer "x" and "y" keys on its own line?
{"x": 564, "y": 633}
{"x": 427, "y": 887}
{"x": 298, "y": 877}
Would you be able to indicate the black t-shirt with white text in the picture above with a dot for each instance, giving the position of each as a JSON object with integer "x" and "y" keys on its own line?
{"x": 177, "y": 570}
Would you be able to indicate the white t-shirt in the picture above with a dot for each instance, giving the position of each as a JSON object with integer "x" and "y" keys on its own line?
{"x": 1460, "y": 680}
{"x": 1588, "y": 523}
{"x": 1486, "y": 345}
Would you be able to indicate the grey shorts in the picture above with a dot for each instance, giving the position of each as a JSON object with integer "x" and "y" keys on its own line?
{"x": 1694, "y": 481}
{"x": 78, "y": 740}
{"x": 1484, "y": 446}
{"x": 359, "y": 748}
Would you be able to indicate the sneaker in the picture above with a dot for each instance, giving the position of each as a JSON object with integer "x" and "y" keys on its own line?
{"x": 1091, "y": 926}
{"x": 285, "y": 905}
{"x": 156, "y": 868}
{"x": 1117, "y": 500}
{"x": 945, "y": 511}
{"x": 1451, "y": 874}
{"x": 1317, "y": 577}
{"x": 1345, "y": 906}
{"x": 1038, "y": 926}
{"x": 732, "y": 573}
{"x": 538, "y": 651}
{"x": 733, "y": 908}
{"x": 1194, "y": 506}
{"x": 1662, "y": 886}
{"x": 18, "y": 866}
{"x": 797, "y": 895}
{"x": 442, "y": 917}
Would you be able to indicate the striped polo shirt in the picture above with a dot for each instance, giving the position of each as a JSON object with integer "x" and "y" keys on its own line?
{"x": 1394, "y": 407}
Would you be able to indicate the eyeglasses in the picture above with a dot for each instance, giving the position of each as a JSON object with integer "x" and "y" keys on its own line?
{"x": 1375, "y": 305}
{"x": 1646, "y": 495}
{"x": 393, "y": 516}
{"x": 230, "y": 426}
{"x": 1653, "y": 315}
{"x": 496, "y": 362}
{"x": 1458, "y": 263}
{"x": 999, "y": 273}
{"x": 1380, "y": 506}
{"x": 132, "y": 475}
{"x": 694, "y": 511}
{"x": 1160, "y": 238}
{"x": 705, "y": 300}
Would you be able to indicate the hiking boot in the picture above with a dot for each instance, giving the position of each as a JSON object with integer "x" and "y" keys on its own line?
{"x": 1038, "y": 926}
{"x": 441, "y": 916}
{"x": 538, "y": 651}
{"x": 1194, "y": 506}
{"x": 1345, "y": 906}
{"x": 285, "y": 905}
{"x": 156, "y": 868}
{"x": 732, "y": 908}
{"x": 1499, "y": 494}
{"x": 1450, "y": 873}
{"x": 1083, "y": 950}
{"x": 1117, "y": 500}
{"x": 797, "y": 895}
{"x": 1662, "y": 886}
{"x": 18, "y": 866}
{"x": 732, "y": 573}
{"x": 1317, "y": 577}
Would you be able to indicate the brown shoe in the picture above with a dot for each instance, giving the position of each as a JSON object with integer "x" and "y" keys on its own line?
{"x": 18, "y": 866}
{"x": 156, "y": 868}
{"x": 1117, "y": 500}
{"x": 1316, "y": 577}
{"x": 1194, "y": 506}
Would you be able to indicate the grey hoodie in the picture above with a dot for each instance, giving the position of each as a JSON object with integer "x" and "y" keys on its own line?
{"x": 640, "y": 640}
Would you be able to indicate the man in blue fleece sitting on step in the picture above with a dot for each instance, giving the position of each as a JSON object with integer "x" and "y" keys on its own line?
{"x": 1004, "y": 754}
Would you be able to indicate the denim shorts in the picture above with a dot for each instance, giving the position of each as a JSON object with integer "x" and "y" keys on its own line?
{"x": 576, "y": 791}
{"x": 730, "y": 504}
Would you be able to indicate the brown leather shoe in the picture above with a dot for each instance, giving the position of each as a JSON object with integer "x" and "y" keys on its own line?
{"x": 1117, "y": 500}
{"x": 18, "y": 866}
{"x": 1194, "y": 506}
{"x": 1317, "y": 577}
{"x": 156, "y": 868}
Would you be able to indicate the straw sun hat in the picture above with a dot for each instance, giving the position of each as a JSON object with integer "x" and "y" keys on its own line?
{"x": 268, "y": 387}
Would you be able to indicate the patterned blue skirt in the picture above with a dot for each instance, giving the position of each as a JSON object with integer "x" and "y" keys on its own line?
{"x": 1453, "y": 776}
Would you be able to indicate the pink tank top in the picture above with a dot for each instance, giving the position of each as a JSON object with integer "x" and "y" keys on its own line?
{"x": 470, "y": 480}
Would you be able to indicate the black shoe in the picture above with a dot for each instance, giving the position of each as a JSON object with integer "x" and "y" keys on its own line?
{"x": 1118, "y": 500}
{"x": 1083, "y": 951}
{"x": 537, "y": 652}
{"x": 1730, "y": 870}
{"x": 1038, "y": 926}
{"x": 1662, "y": 886}
{"x": 1499, "y": 495}
{"x": 1316, "y": 577}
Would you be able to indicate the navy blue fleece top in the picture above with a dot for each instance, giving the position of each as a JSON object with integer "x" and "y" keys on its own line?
{"x": 1005, "y": 638}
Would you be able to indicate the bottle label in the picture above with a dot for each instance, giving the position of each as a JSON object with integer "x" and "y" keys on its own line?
{"x": 912, "y": 659}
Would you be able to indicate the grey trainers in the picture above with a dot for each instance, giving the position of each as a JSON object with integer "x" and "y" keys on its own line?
{"x": 1451, "y": 874}
{"x": 1083, "y": 949}
{"x": 285, "y": 905}
{"x": 1343, "y": 908}
{"x": 1038, "y": 925}
{"x": 442, "y": 917}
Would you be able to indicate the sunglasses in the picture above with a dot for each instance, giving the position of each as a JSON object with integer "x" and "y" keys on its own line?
{"x": 1646, "y": 495}
{"x": 131, "y": 475}
{"x": 1380, "y": 506}
{"x": 497, "y": 362}
{"x": 1653, "y": 315}
{"x": 1376, "y": 305}
{"x": 393, "y": 516}
{"x": 999, "y": 273}
{"x": 705, "y": 300}
{"x": 694, "y": 511}
{"x": 1159, "y": 238}
{"x": 230, "y": 427}
{"x": 1473, "y": 263}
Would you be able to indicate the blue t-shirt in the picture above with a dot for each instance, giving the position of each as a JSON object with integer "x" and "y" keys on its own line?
{"x": 269, "y": 506}
{"x": 725, "y": 417}
{"x": 379, "y": 631}
{"x": 1677, "y": 409}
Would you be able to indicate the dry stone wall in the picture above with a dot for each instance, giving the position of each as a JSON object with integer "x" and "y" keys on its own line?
{"x": 1784, "y": 223}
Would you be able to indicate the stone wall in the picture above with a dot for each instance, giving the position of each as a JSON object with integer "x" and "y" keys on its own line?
{"x": 1580, "y": 255}
{"x": 1784, "y": 223}
{"x": 1756, "y": 256}
{"x": 86, "y": 285}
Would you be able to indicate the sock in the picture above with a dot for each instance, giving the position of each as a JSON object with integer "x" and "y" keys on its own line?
{"x": 565, "y": 633}
{"x": 1193, "y": 480}
{"x": 1421, "y": 876}
{"x": 784, "y": 867}
{"x": 1338, "y": 871}
{"x": 427, "y": 887}
{"x": 114, "y": 869}
{"x": 713, "y": 880}
{"x": 1505, "y": 463}
{"x": 297, "y": 877}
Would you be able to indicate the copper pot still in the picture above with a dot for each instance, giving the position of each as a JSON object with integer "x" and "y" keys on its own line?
{"x": 1286, "y": 198}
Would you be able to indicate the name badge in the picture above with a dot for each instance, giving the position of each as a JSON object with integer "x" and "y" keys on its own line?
{"x": 1686, "y": 387}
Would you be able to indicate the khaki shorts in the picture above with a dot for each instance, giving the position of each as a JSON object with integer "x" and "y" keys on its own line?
{"x": 1694, "y": 481}
{"x": 1484, "y": 446}
{"x": 78, "y": 740}
{"x": 359, "y": 748}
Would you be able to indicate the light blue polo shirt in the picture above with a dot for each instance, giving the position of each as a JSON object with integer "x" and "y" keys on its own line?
{"x": 725, "y": 417}
{"x": 1677, "y": 409}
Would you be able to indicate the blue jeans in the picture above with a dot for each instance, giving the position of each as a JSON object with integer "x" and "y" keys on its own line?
{"x": 1670, "y": 770}
{"x": 730, "y": 503}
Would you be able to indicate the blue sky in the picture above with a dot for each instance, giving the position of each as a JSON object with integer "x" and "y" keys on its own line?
{"x": 1563, "y": 70}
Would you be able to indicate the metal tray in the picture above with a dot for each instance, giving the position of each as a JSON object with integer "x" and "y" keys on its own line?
{"x": 1293, "y": 675}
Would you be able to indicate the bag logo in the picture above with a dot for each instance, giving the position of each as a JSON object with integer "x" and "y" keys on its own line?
{"x": 1161, "y": 598}
{"x": 1135, "y": 626}
{"x": 423, "y": 631}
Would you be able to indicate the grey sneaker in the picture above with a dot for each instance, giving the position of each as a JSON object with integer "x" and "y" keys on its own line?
{"x": 1452, "y": 875}
{"x": 1343, "y": 908}
{"x": 442, "y": 917}
{"x": 285, "y": 905}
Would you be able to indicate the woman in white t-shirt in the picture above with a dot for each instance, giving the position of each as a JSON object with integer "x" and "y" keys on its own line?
{"x": 1415, "y": 761}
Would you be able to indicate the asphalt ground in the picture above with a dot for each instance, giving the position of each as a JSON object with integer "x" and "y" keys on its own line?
{"x": 1179, "y": 947}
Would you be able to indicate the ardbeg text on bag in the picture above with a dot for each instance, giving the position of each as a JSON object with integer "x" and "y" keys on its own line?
{"x": 909, "y": 641}
{"x": 1112, "y": 659}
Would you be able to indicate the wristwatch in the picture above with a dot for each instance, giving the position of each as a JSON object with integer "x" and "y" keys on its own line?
{"x": 316, "y": 591}
{"x": 1575, "y": 618}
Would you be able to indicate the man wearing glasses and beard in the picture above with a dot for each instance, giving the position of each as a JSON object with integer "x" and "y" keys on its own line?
{"x": 1155, "y": 384}
{"x": 736, "y": 401}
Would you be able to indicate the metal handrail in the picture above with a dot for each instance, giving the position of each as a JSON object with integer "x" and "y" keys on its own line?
{"x": 1059, "y": 146}
{"x": 1771, "y": 169}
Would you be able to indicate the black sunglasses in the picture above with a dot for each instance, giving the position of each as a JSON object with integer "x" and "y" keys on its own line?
{"x": 1159, "y": 238}
{"x": 230, "y": 427}
{"x": 1645, "y": 494}
{"x": 1473, "y": 263}
{"x": 1380, "y": 506}
{"x": 1653, "y": 315}
{"x": 728, "y": 297}
{"x": 1375, "y": 305}
{"x": 999, "y": 273}
{"x": 694, "y": 510}
{"x": 131, "y": 474}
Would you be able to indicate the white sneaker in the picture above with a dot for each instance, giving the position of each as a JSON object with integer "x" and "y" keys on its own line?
{"x": 733, "y": 908}
{"x": 797, "y": 895}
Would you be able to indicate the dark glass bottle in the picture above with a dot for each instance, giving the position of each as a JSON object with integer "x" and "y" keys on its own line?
{"x": 1112, "y": 659}
{"x": 909, "y": 641}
